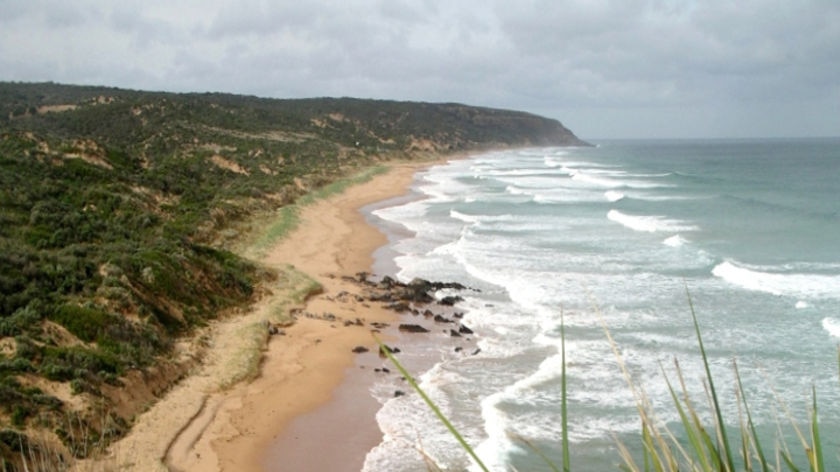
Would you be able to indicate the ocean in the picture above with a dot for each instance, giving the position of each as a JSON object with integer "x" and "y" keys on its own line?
{"x": 612, "y": 239}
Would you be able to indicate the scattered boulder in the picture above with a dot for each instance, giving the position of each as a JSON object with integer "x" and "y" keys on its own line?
{"x": 360, "y": 349}
{"x": 450, "y": 300}
{"x": 400, "y": 307}
{"x": 442, "y": 319}
{"x": 398, "y": 393}
{"x": 392, "y": 350}
{"x": 412, "y": 328}
{"x": 454, "y": 333}
{"x": 465, "y": 330}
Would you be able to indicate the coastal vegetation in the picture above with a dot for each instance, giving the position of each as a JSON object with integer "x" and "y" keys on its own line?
{"x": 121, "y": 220}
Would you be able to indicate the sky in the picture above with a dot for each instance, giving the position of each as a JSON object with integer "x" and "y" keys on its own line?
{"x": 605, "y": 68}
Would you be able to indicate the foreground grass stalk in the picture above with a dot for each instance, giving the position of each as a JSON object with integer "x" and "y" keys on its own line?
{"x": 564, "y": 397}
{"x": 753, "y": 435}
{"x": 721, "y": 428}
{"x": 816, "y": 454}
{"x": 452, "y": 430}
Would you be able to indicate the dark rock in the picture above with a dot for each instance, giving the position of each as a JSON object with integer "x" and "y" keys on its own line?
{"x": 412, "y": 328}
{"x": 450, "y": 300}
{"x": 360, "y": 349}
{"x": 387, "y": 283}
{"x": 477, "y": 350}
{"x": 392, "y": 350}
{"x": 454, "y": 333}
{"x": 458, "y": 315}
{"x": 400, "y": 307}
{"x": 398, "y": 393}
{"x": 442, "y": 319}
{"x": 459, "y": 349}
{"x": 428, "y": 313}
{"x": 464, "y": 330}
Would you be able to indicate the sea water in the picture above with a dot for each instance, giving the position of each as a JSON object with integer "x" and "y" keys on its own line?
{"x": 613, "y": 239}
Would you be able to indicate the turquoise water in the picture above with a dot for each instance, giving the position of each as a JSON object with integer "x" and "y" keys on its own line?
{"x": 610, "y": 237}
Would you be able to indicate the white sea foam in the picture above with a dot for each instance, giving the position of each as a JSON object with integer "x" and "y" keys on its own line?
{"x": 552, "y": 162}
{"x": 479, "y": 218}
{"x": 779, "y": 283}
{"x": 801, "y": 305}
{"x": 613, "y": 196}
{"x": 498, "y": 425}
{"x": 832, "y": 325}
{"x": 612, "y": 179}
{"x": 649, "y": 224}
{"x": 514, "y": 190}
{"x": 596, "y": 181}
{"x": 464, "y": 217}
{"x": 674, "y": 241}
{"x": 561, "y": 195}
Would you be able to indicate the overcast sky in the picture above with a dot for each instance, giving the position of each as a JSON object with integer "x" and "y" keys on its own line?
{"x": 606, "y": 69}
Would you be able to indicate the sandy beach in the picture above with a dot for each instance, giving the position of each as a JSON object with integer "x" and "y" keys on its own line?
{"x": 212, "y": 422}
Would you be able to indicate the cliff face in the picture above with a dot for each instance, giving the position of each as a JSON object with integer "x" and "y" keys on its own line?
{"x": 113, "y": 204}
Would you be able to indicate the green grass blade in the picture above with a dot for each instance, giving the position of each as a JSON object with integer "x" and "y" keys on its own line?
{"x": 789, "y": 461}
{"x": 564, "y": 399}
{"x": 538, "y": 452}
{"x": 721, "y": 428}
{"x": 765, "y": 467}
{"x": 692, "y": 429}
{"x": 818, "y": 464}
{"x": 432, "y": 405}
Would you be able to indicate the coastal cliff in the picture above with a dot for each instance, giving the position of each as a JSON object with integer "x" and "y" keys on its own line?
{"x": 118, "y": 209}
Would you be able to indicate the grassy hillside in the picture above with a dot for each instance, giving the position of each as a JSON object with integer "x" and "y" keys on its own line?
{"x": 113, "y": 207}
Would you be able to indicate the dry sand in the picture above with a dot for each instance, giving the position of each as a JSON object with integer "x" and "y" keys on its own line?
{"x": 203, "y": 425}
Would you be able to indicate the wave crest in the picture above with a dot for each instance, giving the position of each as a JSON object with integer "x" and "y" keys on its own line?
{"x": 779, "y": 283}
{"x": 649, "y": 224}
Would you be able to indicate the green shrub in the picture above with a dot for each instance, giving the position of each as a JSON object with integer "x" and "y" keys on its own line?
{"x": 86, "y": 323}
{"x": 21, "y": 321}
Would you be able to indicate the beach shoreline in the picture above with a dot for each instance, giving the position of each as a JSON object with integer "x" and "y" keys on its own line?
{"x": 213, "y": 421}
{"x": 304, "y": 370}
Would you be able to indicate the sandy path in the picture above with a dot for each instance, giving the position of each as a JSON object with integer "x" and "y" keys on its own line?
{"x": 202, "y": 426}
